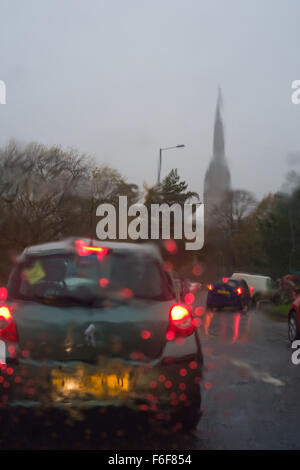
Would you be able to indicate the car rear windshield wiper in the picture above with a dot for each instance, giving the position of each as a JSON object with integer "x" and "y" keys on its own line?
{"x": 54, "y": 300}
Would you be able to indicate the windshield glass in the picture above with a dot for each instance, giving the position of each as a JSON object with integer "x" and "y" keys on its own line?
{"x": 89, "y": 278}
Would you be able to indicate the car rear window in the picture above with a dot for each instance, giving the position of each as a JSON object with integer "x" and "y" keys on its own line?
{"x": 88, "y": 277}
{"x": 232, "y": 283}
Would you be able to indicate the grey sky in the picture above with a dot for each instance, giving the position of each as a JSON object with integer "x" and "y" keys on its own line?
{"x": 120, "y": 78}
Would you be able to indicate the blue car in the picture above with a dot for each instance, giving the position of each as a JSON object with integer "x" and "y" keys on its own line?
{"x": 228, "y": 292}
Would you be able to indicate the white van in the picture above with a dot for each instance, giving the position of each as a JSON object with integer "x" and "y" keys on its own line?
{"x": 261, "y": 287}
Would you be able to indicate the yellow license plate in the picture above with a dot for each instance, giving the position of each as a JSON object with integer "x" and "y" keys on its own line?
{"x": 223, "y": 292}
{"x": 101, "y": 385}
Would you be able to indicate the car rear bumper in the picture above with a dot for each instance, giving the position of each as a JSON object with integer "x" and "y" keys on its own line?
{"x": 216, "y": 300}
{"x": 164, "y": 385}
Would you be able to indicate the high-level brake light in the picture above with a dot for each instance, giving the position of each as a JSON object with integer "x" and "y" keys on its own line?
{"x": 85, "y": 250}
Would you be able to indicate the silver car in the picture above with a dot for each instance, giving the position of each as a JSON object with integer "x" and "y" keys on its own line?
{"x": 95, "y": 324}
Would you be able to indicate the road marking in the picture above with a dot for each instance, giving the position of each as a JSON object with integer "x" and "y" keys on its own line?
{"x": 258, "y": 375}
{"x": 263, "y": 376}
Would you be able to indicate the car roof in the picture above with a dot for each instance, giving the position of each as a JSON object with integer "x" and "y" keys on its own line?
{"x": 234, "y": 279}
{"x": 68, "y": 246}
{"x": 250, "y": 275}
{"x": 231, "y": 279}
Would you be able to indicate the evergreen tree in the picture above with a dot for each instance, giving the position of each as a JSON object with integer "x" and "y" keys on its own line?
{"x": 174, "y": 190}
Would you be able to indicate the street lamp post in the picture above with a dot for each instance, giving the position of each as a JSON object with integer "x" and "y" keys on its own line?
{"x": 160, "y": 159}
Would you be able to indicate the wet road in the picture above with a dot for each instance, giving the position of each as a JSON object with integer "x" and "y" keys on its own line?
{"x": 250, "y": 388}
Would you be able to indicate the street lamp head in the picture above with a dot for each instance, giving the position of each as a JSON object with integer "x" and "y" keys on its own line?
{"x": 160, "y": 157}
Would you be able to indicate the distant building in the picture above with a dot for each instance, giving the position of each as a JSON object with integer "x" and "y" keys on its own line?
{"x": 217, "y": 182}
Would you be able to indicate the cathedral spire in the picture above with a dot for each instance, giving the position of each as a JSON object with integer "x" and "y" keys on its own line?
{"x": 217, "y": 177}
{"x": 219, "y": 143}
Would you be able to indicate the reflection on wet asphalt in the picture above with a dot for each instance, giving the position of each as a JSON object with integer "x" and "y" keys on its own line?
{"x": 248, "y": 401}
{"x": 250, "y": 392}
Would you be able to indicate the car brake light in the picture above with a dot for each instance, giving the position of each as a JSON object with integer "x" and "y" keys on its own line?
{"x": 5, "y": 314}
{"x": 210, "y": 287}
{"x": 85, "y": 250}
{"x": 225, "y": 279}
{"x": 239, "y": 291}
{"x": 3, "y": 293}
{"x": 181, "y": 320}
{"x": 8, "y": 329}
{"x": 251, "y": 289}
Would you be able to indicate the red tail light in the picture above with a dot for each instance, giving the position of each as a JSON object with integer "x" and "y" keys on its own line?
{"x": 210, "y": 287}
{"x": 239, "y": 291}
{"x": 8, "y": 330}
{"x": 85, "y": 250}
{"x": 181, "y": 320}
{"x": 251, "y": 289}
{"x": 3, "y": 293}
{"x": 225, "y": 279}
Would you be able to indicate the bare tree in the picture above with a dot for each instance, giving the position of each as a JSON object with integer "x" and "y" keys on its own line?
{"x": 228, "y": 215}
{"x": 242, "y": 204}
{"x": 47, "y": 193}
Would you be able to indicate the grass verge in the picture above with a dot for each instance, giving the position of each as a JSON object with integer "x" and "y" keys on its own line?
{"x": 279, "y": 312}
